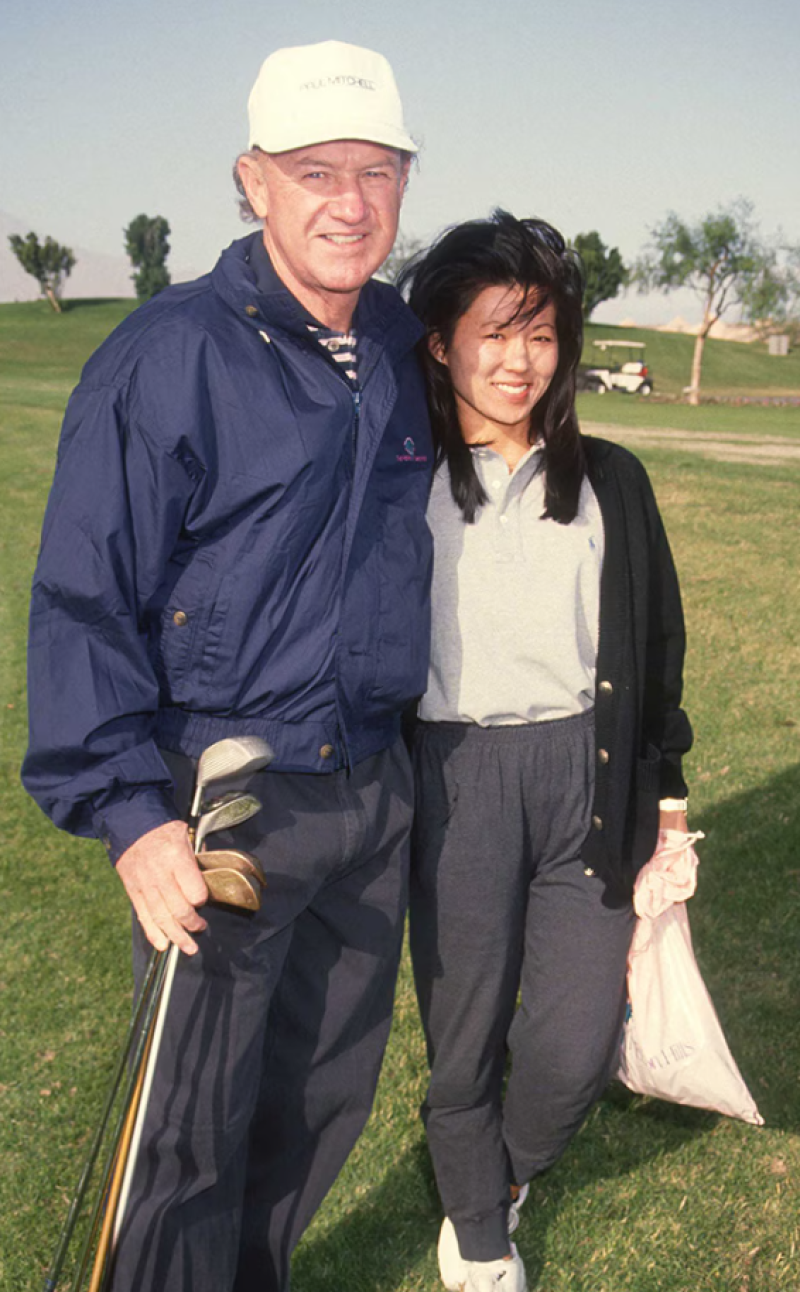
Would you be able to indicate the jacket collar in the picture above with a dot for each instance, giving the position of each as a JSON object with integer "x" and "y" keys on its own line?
{"x": 246, "y": 280}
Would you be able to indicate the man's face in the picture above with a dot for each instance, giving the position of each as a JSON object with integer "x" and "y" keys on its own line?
{"x": 330, "y": 213}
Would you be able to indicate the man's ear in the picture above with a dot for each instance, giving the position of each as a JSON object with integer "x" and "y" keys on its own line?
{"x": 436, "y": 347}
{"x": 251, "y": 173}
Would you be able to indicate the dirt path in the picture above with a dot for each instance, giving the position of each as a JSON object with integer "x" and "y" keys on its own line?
{"x": 727, "y": 447}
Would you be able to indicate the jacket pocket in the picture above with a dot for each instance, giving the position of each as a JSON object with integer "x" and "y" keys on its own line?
{"x": 648, "y": 771}
{"x": 182, "y": 622}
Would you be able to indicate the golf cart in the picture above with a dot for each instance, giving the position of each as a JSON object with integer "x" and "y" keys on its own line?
{"x": 630, "y": 374}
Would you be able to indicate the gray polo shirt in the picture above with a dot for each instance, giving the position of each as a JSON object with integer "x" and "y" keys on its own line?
{"x": 515, "y": 601}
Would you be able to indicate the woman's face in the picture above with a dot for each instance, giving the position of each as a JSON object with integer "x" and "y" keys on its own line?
{"x": 499, "y": 370}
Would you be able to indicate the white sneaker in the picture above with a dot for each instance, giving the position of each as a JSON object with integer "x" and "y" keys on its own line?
{"x": 459, "y": 1275}
{"x": 497, "y": 1276}
{"x": 452, "y": 1266}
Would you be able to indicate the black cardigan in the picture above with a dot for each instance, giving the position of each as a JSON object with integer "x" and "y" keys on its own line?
{"x": 641, "y": 731}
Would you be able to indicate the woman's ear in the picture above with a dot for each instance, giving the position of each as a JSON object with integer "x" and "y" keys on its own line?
{"x": 436, "y": 347}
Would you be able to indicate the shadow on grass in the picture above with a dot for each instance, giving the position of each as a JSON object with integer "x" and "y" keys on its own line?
{"x": 622, "y": 1135}
{"x": 745, "y": 923}
{"x": 90, "y": 302}
{"x": 381, "y": 1239}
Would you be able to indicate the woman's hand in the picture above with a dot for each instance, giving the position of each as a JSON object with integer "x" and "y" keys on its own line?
{"x": 672, "y": 820}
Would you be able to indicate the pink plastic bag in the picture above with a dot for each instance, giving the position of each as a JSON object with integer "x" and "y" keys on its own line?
{"x": 673, "y": 1046}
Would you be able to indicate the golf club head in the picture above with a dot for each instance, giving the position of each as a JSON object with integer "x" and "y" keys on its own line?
{"x": 231, "y": 888}
{"x": 221, "y": 800}
{"x": 232, "y": 859}
{"x": 231, "y": 810}
{"x": 236, "y": 755}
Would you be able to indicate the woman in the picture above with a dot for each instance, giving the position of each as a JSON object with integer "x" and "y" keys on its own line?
{"x": 549, "y": 742}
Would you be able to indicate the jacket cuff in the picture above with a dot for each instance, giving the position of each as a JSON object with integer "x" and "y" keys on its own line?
{"x": 121, "y": 821}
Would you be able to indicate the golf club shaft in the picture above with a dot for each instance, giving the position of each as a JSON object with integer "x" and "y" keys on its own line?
{"x": 157, "y": 1032}
{"x": 101, "y": 1262}
{"x": 54, "y": 1273}
{"x": 111, "y": 1158}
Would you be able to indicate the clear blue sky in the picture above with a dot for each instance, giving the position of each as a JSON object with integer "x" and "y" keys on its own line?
{"x": 590, "y": 114}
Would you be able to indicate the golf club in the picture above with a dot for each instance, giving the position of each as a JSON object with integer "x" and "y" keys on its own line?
{"x": 229, "y": 811}
{"x": 138, "y": 1017}
{"x": 229, "y": 757}
{"x": 209, "y": 805}
{"x": 233, "y": 859}
{"x": 233, "y": 756}
{"x": 232, "y": 888}
{"x": 159, "y": 960}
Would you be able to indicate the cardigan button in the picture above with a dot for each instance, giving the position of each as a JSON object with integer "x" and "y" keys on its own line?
{"x": 180, "y": 619}
{"x": 251, "y": 311}
{"x": 326, "y": 751}
{"x": 597, "y": 822}
{"x": 603, "y": 756}
{"x": 605, "y": 687}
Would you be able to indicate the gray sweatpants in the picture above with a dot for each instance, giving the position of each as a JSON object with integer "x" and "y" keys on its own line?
{"x": 502, "y": 905}
{"x": 276, "y": 1031}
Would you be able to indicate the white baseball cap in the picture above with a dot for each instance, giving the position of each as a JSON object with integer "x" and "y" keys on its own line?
{"x": 313, "y": 94}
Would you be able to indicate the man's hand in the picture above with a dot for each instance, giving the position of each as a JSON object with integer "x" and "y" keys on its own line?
{"x": 164, "y": 883}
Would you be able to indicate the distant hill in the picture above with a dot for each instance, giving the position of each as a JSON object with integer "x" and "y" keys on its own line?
{"x": 94, "y": 276}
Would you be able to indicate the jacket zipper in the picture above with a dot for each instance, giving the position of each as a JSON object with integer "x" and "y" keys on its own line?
{"x": 356, "y": 422}
{"x": 340, "y": 727}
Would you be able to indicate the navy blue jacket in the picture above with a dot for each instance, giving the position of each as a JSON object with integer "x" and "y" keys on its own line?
{"x": 234, "y": 543}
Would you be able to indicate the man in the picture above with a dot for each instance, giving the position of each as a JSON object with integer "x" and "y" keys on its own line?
{"x": 235, "y": 544}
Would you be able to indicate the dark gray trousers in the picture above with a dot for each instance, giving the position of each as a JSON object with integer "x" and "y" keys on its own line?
{"x": 501, "y": 905}
{"x": 276, "y": 1031}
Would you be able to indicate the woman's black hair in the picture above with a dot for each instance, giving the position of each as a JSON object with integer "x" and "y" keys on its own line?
{"x": 441, "y": 285}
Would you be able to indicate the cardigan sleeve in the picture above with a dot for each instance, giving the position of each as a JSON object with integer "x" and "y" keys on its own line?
{"x": 665, "y": 725}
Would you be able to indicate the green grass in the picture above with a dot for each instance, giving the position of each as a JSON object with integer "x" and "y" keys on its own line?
{"x": 650, "y": 1197}
{"x": 744, "y": 420}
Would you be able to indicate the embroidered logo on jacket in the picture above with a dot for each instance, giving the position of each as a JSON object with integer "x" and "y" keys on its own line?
{"x": 411, "y": 454}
